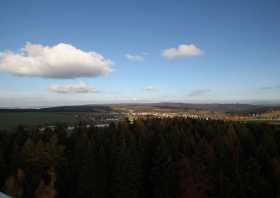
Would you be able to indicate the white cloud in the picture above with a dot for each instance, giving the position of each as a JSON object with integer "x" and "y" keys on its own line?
{"x": 151, "y": 88}
{"x": 265, "y": 88}
{"x": 199, "y": 92}
{"x": 134, "y": 57}
{"x": 82, "y": 87}
{"x": 181, "y": 51}
{"x": 58, "y": 61}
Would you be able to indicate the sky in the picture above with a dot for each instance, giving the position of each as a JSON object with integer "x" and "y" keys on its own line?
{"x": 87, "y": 52}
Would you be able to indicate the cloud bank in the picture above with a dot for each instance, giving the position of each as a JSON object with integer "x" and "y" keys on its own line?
{"x": 199, "y": 92}
{"x": 134, "y": 57}
{"x": 265, "y": 88}
{"x": 82, "y": 87}
{"x": 58, "y": 61}
{"x": 151, "y": 88}
{"x": 182, "y": 51}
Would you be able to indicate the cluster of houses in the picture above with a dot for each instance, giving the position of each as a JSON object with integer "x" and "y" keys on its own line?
{"x": 194, "y": 115}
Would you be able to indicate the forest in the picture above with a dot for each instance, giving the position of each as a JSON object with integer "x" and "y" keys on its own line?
{"x": 153, "y": 158}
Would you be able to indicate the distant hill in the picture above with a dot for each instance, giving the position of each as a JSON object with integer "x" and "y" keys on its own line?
{"x": 212, "y": 106}
{"x": 78, "y": 108}
{"x": 235, "y": 108}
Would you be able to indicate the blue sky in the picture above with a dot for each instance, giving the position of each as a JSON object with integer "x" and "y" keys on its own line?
{"x": 229, "y": 51}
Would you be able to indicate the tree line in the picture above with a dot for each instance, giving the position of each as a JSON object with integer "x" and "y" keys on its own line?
{"x": 154, "y": 158}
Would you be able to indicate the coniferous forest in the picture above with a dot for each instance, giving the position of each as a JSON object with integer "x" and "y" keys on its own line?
{"x": 155, "y": 158}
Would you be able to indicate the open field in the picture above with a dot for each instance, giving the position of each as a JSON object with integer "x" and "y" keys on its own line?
{"x": 275, "y": 122}
{"x": 13, "y": 119}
